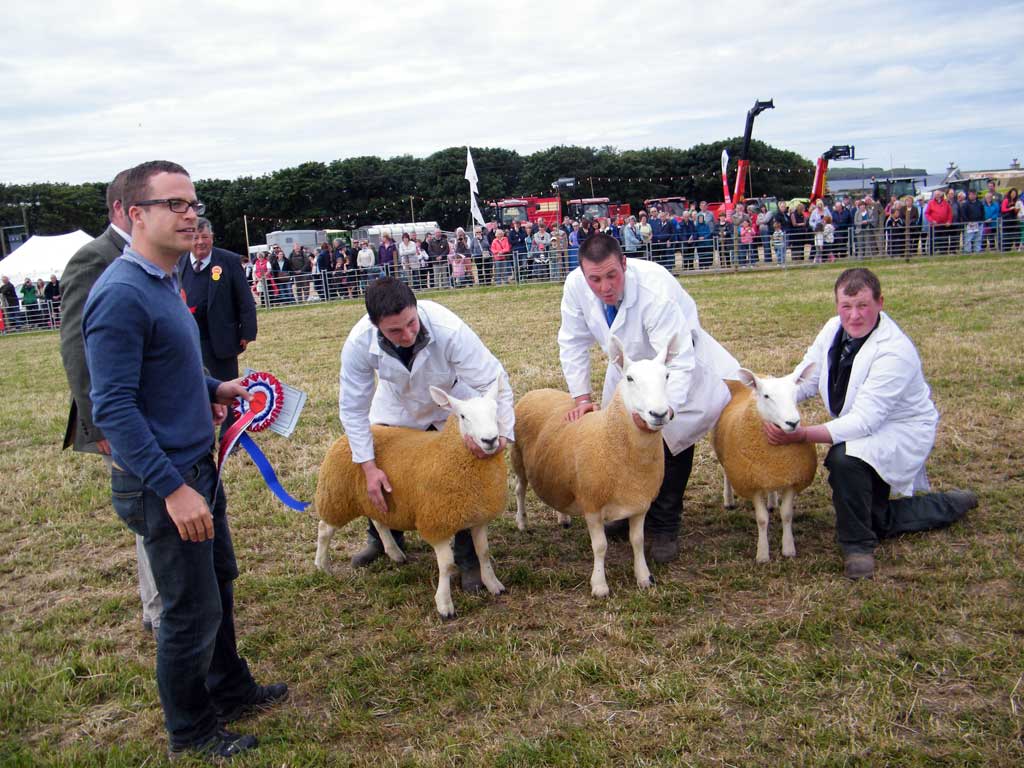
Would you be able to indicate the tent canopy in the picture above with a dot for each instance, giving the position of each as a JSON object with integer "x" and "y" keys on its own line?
{"x": 42, "y": 256}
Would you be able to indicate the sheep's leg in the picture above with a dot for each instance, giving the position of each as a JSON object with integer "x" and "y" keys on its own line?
{"x": 520, "y": 502}
{"x": 636, "y": 540}
{"x": 773, "y": 500}
{"x": 483, "y": 554}
{"x": 761, "y": 512}
{"x": 786, "y": 513}
{"x": 728, "y": 497}
{"x": 563, "y": 520}
{"x": 391, "y": 547}
{"x": 599, "y": 543}
{"x": 324, "y": 534}
{"x": 445, "y": 569}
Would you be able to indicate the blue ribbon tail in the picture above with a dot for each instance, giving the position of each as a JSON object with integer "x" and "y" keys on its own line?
{"x": 269, "y": 477}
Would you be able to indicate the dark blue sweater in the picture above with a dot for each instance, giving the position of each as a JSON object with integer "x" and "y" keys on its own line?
{"x": 150, "y": 395}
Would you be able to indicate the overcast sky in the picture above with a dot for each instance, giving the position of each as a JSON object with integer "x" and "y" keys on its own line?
{"x": 244, "y": 88}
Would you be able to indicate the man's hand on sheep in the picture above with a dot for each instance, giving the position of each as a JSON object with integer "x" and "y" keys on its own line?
{"x": 582, "y": 407}
{"x": 376, "y": 483}
{"x": 776, "y": 436}
{"x": 190, "y": 514}
{"x": 480, "y": 453}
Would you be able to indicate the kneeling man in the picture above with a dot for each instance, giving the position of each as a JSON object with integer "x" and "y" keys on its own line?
{"x": 882, "y": 427}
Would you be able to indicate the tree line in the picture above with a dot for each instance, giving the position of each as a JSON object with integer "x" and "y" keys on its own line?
{"x": 358, "y": 191}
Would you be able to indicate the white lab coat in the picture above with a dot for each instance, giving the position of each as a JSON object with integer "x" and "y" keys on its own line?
{"x": 888, "y": 418}
{"x": 454, "y": 360}
{"x": 654, "y": 307}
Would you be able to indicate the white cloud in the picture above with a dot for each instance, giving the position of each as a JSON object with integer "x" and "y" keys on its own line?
{"x": 234, "y": 88}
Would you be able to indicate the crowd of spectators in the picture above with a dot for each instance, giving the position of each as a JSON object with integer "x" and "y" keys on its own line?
{"x": 700, "y": 238}
{"x": 30, "y": 305}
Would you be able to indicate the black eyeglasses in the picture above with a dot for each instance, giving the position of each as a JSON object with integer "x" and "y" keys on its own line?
{"x": 177, "y": 205}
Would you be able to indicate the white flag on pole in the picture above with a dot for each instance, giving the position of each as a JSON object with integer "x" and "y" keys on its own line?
{"x": 471, "y": 177}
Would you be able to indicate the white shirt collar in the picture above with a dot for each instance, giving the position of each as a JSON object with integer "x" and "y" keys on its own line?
{"x": 124, "y": 235}
{"x": 205, "y": 262}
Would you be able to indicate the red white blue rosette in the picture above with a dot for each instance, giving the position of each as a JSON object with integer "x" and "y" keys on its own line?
{"x": 271, "y": 402}
{"x": 257, "y": 415}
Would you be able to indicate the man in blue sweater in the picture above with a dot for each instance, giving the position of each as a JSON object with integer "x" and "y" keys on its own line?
{"x": 153, "y": 402}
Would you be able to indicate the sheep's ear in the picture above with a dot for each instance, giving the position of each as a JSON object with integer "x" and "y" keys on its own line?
{"x": 748, "y": 378}
{"x": 803, "y": 375}
{"x": 494, "y": 390}
{"x": 618, "y": 354}
{"x": 442, "y": 398}
{"x": 675, "y": 346}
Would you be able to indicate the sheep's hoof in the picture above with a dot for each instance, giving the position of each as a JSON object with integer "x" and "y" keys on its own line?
{"x": 790, "y": 553}
{"x": 447, "y": 613}
{"x": 646, "y": 584}
{"x": 567, "y": 524}
{"x": 599, "y": 591}
{"x": 763, "y": 559}
{"x": 729, "y": 506}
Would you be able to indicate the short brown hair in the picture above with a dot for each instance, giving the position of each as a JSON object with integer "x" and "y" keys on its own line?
{"x": 115, "y": 192}
{"x": 136, "y": 185}
{"x": 855, "y": 280}
{"x": 599, "y": 247}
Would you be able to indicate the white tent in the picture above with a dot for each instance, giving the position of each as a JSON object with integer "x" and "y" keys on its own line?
{"x": 41, "y": 256}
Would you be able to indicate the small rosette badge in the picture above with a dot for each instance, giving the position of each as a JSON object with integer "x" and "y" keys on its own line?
{"x": 267, "y": 400}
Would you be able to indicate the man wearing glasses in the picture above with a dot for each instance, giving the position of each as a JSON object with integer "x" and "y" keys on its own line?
{"x": 152, "y": 401}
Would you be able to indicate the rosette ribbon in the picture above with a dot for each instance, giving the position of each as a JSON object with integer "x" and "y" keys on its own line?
{"x": 256, "y": 416}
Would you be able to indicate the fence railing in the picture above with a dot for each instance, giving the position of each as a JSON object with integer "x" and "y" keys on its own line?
{"x": 690, "y": 256}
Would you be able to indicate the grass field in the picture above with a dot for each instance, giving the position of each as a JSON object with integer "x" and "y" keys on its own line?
{"x": 724, "y": 663}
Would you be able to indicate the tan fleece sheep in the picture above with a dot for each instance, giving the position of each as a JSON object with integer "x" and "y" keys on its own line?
{"x": 603, "y": 467}
{"x": 438, "y": 488}
{"x": 754, "y": 468}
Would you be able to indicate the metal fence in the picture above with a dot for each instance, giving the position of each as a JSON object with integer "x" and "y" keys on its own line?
{"x": 693, "y": 256}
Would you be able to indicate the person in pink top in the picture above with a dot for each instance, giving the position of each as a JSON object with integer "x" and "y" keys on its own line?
{"x": 500, "y": 250}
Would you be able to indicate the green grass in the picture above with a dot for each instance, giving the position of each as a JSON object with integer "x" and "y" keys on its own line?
{"x": 724, "y": 663}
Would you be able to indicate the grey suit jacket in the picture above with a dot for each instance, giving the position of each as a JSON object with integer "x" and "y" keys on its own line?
{"x": 77, "y": 280}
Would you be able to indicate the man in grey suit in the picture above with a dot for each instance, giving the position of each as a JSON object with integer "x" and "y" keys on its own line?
{"x": 82, "y": 434}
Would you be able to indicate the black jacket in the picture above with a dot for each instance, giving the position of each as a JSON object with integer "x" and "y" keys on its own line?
{"x": 230, "y": 308}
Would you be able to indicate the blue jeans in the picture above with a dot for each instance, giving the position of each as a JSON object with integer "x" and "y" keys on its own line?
{"x": 972, "y": 238}
{"x": 197, "y": 662}
{"x": 780, "y": 253}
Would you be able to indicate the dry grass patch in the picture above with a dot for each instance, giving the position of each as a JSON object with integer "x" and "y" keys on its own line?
{"x": 724, "y": 663}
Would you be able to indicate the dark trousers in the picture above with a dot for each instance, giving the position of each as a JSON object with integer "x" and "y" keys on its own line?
{"x": 197, "y": 663}
{"x": 865, "y": 513}
{"x": 665, "y": 514}
{"x": 465, "y": 552}
{"x": 223, "y": 368}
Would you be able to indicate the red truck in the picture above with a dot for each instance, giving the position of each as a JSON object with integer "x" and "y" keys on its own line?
{"x": 597, "y": 208}
{"x": 532, "y": 209}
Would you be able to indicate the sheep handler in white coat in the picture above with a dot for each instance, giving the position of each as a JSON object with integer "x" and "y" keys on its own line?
{"x": 391, "y": 358}
{"x": 882, "y": 427}
{"x": 644, "y": 306}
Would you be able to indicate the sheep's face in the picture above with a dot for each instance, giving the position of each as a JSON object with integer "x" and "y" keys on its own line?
{"x": 478, "y": 416}
{"x": 777, "y": 398}
{"x": 644, "y": 385}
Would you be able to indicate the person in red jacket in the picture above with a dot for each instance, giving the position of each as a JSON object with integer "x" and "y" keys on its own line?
{"x": 939, "y": 215}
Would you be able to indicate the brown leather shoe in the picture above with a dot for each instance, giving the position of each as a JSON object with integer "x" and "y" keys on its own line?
{"x": 859, "y": 566}
{"x": 964, "y": 501}
{"x": 663, "y": 548}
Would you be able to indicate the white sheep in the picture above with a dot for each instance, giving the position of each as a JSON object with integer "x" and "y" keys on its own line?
{"x": 754, "y": 468}
{"x": 438, "y": 488}
{"x": 603, "y": 467}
